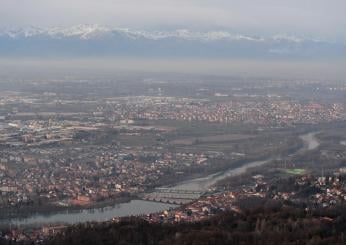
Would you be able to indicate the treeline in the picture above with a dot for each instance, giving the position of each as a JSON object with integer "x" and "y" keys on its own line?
{"x": 265, "y": 224}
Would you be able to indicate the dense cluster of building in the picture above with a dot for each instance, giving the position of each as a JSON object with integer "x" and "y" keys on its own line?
{"x": 319, "y": 192}
{"x": 42, "y": 159}
{"x": 326, "y": 191}
{"x": 67, "y": 173}
{"x": 268, "y": 112}
{"x": 55, "y": 150}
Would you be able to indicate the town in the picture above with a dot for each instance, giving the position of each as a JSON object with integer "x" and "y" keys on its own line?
{"x": 64, "y": 152}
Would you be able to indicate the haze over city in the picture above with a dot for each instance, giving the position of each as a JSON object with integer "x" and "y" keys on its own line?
{"x": 172, "y": 122}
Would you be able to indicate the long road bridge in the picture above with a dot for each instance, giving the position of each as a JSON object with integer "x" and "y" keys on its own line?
{"x": 179, "y": 191}
{"x": 174, "y": 196}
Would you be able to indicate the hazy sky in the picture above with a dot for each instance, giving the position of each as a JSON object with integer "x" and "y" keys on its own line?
{"x": 318, "y": 18}
{"x": 320, "y": 70}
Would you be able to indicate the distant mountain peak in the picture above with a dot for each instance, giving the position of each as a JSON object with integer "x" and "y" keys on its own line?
{"x": 96, "y": 31}
{"x": 97, "y": 40}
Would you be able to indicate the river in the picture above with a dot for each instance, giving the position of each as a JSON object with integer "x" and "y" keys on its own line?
{"x": 138, "y": 207}
{"x": 203, "y": 184}
{"x": 310, "y": 140}
{"x": 133, "y": 208}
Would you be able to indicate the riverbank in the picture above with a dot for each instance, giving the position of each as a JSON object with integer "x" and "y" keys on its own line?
{"x": 132, "y": 208}
{"x": 49, "y": 210}
{"x": 46, "y": 210}
{"x": 137, "y": 207}
{"x": 311, "y": 142}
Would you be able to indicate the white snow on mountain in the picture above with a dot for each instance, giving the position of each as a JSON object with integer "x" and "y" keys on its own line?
{"x": 86, "y": 32}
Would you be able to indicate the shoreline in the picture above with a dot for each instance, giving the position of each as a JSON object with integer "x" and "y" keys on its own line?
{"x": 125, "y": 200}
{"x": 52, "y": 210}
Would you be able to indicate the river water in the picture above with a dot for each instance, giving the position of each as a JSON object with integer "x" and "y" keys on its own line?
{"x": 138, "y": 207}
{"x": 310, "y": 141}
{"x": 133, "y": 208}
{"x": 203, "y": 184}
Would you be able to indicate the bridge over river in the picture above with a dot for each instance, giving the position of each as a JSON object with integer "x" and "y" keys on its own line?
{"x": 174, "y": 196}
{"x": 180, "y": 193}
{"x": 190, "y": 190}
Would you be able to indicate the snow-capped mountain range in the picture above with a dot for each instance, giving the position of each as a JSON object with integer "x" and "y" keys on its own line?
{"x": 95, "y": 31}
{"x": 95, "y": 40}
